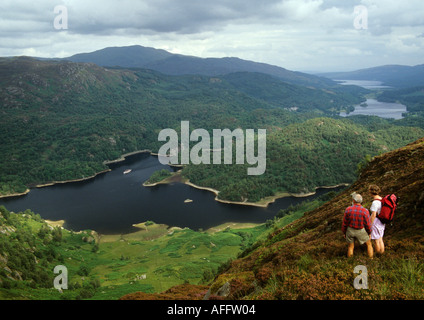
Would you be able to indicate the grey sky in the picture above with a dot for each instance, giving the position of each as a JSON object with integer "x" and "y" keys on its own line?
{"x": 304, "y": 35}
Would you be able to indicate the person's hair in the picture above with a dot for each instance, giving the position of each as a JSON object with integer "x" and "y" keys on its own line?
{"x": 374, "y": 189}
{"x": 356, "y": 197}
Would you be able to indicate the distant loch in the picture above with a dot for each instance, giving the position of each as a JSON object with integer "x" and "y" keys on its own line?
{"x": 372, "y": 107}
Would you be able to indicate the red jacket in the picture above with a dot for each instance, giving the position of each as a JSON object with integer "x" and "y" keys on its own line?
{"x": 356, "y": 217}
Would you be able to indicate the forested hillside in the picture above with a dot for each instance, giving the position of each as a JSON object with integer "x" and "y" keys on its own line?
{"x": 62, "y": 120}
{"x": 301, "y": 157}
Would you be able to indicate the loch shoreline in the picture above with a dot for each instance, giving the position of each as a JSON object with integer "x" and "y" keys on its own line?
{"x": 52, "y": 183}
{"x": 263, "y": 203}
{"x": 176, "y": 177}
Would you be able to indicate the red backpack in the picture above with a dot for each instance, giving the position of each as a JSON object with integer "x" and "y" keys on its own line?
{"x": 388, "y": 207}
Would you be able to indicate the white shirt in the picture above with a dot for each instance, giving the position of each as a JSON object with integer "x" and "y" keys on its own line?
{"x": 377, "y": 228}
{"x": 376, "y": 206}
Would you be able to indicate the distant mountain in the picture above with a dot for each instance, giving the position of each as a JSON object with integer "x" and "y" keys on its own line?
{"x": 176, "y": 64}
{"x": 398, "y": 76}
{"x": 127, "y": 57}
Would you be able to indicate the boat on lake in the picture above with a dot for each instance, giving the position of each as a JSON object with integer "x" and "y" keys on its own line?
{"x": 127, "y": 171}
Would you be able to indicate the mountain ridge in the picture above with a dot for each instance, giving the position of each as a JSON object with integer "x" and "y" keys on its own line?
{"x": 178, "y": 64}
{"x": 135, "y": 56}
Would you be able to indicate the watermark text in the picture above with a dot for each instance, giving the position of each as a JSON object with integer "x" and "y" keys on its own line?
{"x": 61, "y": 281}
{"x": 60, "y": 22}
{"x": 174, "y": 148}
{"x": 361, "y": 281}
{"x": 361, "y": 17}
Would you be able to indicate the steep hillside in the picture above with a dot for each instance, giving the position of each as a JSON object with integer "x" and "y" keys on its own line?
{"x": 307, "y": 258}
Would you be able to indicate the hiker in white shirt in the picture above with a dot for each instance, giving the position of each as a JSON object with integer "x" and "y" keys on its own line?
{"x": 377, "y": 227}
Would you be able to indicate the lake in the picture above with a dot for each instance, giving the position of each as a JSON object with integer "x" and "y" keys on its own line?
{"x": 380, "y": 109}
{"x": 367, "y": 84}
{"x": 112, "y": 202}
{"x": 374, "y": 107}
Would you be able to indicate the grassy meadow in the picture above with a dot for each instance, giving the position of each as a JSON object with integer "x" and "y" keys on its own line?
{"x": 152, "y": 259}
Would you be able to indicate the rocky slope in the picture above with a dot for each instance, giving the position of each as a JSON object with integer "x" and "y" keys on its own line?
{"x": 307, "y": 259}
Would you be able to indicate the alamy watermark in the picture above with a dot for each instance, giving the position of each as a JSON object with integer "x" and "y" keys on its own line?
{"x": 61, "y": 281}
{"x": 60, "y": 22}
{"x": 203, "y": 151}
{"x": 361, "y": 281}
{"x": 361, "y": 17}
{"x": 360, "y": 21}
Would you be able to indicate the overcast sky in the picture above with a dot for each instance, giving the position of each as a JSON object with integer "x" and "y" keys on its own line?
{"x": 302, "y": 35}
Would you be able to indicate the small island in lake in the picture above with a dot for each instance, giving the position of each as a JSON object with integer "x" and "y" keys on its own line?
{"x": 158, "y": 177}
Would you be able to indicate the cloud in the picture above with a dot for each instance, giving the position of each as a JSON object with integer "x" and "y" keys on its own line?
{"x": 297, "y": 34}
{"x": 163, "y": 16}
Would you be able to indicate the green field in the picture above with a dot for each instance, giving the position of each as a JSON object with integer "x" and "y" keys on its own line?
{"x": 107, "y": 267}
{"x": 152, "y": 259}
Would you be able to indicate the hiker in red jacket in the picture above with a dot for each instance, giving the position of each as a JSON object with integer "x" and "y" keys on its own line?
{"x": 357, "y": 224}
